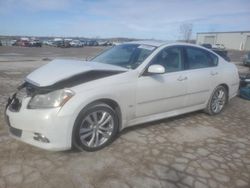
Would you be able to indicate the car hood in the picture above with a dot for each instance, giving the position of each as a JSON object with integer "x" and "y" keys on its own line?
{"x": 70, "y": 71}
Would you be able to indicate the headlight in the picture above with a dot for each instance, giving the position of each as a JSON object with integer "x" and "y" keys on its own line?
{"x": 51, "y": 100}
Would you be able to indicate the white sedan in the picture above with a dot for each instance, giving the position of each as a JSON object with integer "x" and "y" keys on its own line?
{"x": 80, "y": 104}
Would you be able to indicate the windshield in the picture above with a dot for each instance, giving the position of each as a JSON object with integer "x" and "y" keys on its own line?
{"x": 126, "y": 55}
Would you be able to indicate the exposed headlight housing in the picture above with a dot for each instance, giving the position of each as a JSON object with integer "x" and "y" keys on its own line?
{"x": 52, "y": 99}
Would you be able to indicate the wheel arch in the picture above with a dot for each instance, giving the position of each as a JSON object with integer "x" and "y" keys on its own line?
{"x": 105, "y": 101}
{"x": 207, "y": 108}
{"x": 113, "y": 104}
{"x": 227, "y": 88}
{"x": 221, "y": 84}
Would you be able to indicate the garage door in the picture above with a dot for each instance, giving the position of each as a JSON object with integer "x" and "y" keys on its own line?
{"x": 247, "y": 45}
{"x": 209, "y": 39}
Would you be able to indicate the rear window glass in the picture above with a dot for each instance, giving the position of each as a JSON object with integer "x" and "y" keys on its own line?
{"x": 198, "y": 58}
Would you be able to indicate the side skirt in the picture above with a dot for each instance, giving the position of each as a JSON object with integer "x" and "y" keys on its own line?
{"x": 164, "y": 115}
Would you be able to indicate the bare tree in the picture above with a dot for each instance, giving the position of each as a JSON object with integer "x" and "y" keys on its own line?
{"x": 186, "y": 31}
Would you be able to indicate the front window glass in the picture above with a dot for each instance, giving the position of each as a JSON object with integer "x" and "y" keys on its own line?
{"x": 125, "y": 55}
{"x": 170, "y": 58}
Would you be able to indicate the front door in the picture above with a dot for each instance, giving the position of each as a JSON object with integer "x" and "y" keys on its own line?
{"x": 160, "y": 93}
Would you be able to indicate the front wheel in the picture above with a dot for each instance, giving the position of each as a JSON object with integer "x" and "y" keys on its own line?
{"x": 95, "y": 127}
{"x": 217, "y": 101}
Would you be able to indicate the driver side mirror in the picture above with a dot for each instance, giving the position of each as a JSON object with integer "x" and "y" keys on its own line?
{"x": 156, "y": 69}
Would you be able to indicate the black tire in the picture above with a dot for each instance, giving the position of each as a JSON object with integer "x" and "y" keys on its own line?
{"x": 209, "y": 109}
{"x": 76, "y": 141}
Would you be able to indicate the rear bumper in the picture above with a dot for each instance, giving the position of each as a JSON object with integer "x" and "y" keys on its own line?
{"x": 234, "y": 90}
{"x": 26, "y": 124}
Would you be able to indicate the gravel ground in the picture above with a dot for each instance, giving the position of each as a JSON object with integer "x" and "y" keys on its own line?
{"x": 192, "y": 150}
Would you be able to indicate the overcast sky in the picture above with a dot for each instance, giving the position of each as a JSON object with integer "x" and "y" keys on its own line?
{"x": 158, "y": 19}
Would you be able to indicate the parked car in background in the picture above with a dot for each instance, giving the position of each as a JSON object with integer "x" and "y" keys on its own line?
{"x": 222, "y": 52}
{"x": 103, "y": 43}
{"x": 57, "y": 43}
{"x": 13, "y": 42}
{"x": 35, "y": 43}
{"x": 86, "y": 104}
{"x": 246, "y": 59}
{"x": 245, "y": 86}
{"x": 116, "y": 43}
{"x": 48, "y": 42}
{"x": 1, "y": 43}
{"x": 76, "y": 43}
{"x": 218, "y": 46}
{"x": 61, "y": 44}
{"x": 206, "y": 45}
{"x": 24, "y": 42}
{"x": 91, "y": 43}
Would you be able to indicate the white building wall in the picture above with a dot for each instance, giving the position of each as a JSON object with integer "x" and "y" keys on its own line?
{"x": 231, "y": 40}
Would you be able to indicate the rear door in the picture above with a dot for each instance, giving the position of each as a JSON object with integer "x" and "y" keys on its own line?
{"x": 203, "y": 74}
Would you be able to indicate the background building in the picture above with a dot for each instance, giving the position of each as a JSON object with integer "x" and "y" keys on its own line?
{"x": 237, "y": 40}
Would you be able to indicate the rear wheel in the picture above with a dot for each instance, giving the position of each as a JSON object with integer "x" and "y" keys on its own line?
{"x": 95, "y": 127}
{"x": 217, "y": 101}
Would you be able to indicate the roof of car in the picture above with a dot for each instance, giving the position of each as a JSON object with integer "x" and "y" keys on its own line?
{"x": 156, "y": 43}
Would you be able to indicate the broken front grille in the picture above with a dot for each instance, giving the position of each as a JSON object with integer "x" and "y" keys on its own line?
{"x": 16, "y": 100}
{"x": 25, "y": 90}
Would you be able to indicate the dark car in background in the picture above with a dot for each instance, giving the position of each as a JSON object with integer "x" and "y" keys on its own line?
{"x": 61, "y": 44}
{"x": 220, "y": 51}
{"x": 246, "y": 60}
{"x": 206, "y": 45}
{"x": 35, "y": 43}
{"x": 91, "y": 43}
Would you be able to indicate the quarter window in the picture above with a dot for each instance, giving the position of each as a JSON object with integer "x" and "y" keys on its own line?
{"x": 198, "y": 58}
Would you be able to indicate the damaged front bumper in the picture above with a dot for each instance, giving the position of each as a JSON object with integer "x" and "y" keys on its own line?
{"x": 42, "y": 128}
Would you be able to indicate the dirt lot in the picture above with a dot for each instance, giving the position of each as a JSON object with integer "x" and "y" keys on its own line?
{"x": 192, "y": 150}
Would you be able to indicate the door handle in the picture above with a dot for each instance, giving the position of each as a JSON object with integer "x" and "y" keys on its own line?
{"x": 181, "y": 78}
{"x": 213, "y": 73}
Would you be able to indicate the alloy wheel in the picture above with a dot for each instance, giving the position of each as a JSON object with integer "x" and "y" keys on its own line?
{"x": 218, "y": 100}
{"x": 96, "y": 128}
